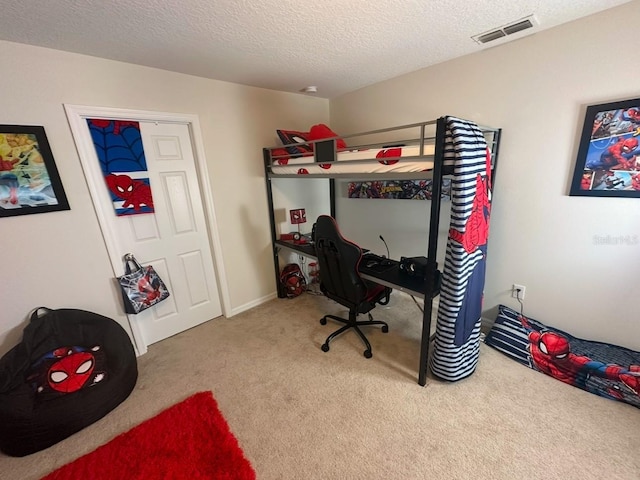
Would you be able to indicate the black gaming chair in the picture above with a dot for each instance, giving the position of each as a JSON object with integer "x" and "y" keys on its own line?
{"x": 338, "y": 261}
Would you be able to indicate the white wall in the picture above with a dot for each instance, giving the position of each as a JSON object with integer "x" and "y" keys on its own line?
{"x": 536, "y": 89}
{"x": 404, "y": 224}
{"x": 58, "y": 259}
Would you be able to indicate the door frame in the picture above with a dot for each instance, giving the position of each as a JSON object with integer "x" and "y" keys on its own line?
{"x": 77, "y": 115}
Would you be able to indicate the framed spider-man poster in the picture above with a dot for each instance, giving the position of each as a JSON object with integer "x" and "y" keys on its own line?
{"x": 29, "y": 179}
{"x": 119, "y": 149}
{"x": 608, "y": 163}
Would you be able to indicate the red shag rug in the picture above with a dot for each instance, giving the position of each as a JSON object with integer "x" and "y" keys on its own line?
{"x": 190, "y": 440}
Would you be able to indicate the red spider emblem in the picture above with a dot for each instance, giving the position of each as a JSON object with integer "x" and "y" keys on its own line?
{"x": 389, "y": 152}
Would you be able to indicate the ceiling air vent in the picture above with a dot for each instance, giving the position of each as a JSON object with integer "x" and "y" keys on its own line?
{"x": 510, "y": 29}
{"x": 488, "y": 37}
{"x": 518, "y": 27}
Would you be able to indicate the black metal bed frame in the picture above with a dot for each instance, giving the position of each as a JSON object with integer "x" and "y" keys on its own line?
{"x": 325, "y": 151}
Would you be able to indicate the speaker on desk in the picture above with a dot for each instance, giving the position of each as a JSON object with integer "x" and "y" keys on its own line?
{"x": 414, "y": 266}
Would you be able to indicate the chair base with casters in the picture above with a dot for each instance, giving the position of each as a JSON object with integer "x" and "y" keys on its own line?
{"x": 355, "y": 324}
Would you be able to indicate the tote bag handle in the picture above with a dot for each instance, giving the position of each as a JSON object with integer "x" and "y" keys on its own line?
{"x": 129, "y": 259}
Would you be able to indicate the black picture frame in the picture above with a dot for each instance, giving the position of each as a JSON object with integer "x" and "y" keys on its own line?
{"x": 29, "y": 180}
{"x": 608, "y": 162}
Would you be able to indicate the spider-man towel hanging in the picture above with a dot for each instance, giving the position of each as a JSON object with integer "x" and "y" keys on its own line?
{"x": 474, "y": 241}
{"x": 119, "y": 148}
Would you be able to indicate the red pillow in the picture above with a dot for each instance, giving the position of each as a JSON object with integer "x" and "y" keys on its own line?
{"x": 321, "y": 131}
{"x": 317, "y": 132}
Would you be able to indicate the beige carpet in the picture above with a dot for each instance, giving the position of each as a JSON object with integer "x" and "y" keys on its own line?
{"x": 300, "y": 413}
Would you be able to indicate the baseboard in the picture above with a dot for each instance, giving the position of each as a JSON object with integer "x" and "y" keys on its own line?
{"x": 486, "y": 324}
{"x": 253, "y": 303}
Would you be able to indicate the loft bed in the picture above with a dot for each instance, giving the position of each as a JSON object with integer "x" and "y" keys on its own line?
{"x": 407, "y": 152}
{"x": 428, "y": 150}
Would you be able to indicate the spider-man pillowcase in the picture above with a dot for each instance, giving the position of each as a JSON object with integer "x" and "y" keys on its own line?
{"x": 509, "y": 336}
{"x": 294, "y": 141}
{"x": 604, "y": 369}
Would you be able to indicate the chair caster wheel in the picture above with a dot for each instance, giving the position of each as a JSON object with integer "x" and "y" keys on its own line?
{"x": 385, "y": 329}
{"x": 368, "y": 354}
{"x": 323, "y": 321}
{"x": 325, "y": 347}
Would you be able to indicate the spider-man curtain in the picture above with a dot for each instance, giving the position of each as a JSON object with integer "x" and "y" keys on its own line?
{"x": 119, "y": 148}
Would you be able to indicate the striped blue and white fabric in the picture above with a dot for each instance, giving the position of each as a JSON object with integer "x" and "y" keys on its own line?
{"x": 457, "y": 341}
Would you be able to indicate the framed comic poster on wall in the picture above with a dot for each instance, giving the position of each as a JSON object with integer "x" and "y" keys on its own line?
{"x": 29, "y": 179}
{"x": 608, "y": 163}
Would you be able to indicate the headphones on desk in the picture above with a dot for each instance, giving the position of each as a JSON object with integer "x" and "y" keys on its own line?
{"x": 413, "y": 266}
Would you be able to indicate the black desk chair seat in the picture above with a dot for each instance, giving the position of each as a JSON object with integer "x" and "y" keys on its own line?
{"x": 338, "y": 261}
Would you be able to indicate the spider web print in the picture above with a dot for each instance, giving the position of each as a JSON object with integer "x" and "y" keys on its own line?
{"x": 119, "y": 149}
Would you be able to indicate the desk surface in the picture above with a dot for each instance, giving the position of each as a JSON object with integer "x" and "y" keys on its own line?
{"x": 391, "y": 277}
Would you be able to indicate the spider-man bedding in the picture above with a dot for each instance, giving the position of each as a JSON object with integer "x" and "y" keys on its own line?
{"x": 604, "y": 369}
{"x": 296, "y": 157}
{"x": 382, "y": 160}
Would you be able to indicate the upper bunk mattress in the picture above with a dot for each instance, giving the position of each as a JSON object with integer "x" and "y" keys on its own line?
{"x": 383, "y": 160}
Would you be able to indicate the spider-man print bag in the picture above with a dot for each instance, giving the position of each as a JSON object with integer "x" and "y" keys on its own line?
{"x": 141, "y": 286}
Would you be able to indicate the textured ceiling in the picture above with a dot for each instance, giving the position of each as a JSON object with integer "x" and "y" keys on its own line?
{"x": 337, "y": 45}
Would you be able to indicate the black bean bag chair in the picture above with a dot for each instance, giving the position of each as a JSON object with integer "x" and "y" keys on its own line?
{"x": 71, "y": 369}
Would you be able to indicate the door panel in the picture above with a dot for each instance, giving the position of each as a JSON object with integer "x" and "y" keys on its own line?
{"x": 192, "y": 264}
{"x": 174, "y": 239}
{"x": 144, "y": 227}
{"x": 177, "y": 192}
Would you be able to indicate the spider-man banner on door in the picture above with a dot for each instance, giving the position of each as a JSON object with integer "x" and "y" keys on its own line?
{"x": 119, "y": 148}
